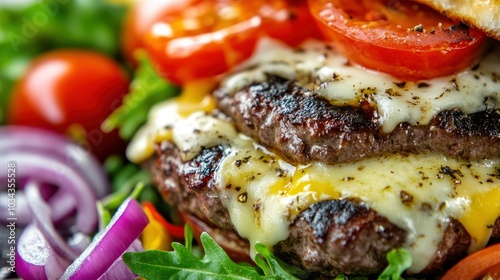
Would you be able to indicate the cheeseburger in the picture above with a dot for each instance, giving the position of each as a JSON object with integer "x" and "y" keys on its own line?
{"x": 330, "y": 131}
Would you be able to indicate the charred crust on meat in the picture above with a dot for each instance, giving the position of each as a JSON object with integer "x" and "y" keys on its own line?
{"x": 480, "y": 123}
{"x": 200, "y": 170}
{"x": 334, "y": 236}
{"x": 318, "y": 215}
{"x": 301, "y": 126}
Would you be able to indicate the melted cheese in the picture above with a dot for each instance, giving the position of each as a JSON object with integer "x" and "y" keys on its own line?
{"x": 195, "y": 97}
{"x": 414, "y": 192}
{"x": 329, "y": 74}
{"x": 418, "y": 193}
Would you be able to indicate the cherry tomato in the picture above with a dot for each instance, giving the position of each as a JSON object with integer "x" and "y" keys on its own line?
{"x": 138, "y": 21}
{"x": 71, "y": 91}
{"x": 475, "y": 266}
{"x": 402, "y": 38}
{"x": 207, "y": 38}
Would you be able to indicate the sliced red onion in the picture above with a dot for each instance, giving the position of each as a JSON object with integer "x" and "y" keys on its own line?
{"x": 42, "y": 142}
{"x": 125, "y": 226}
{"x": 41, "y": 214}
{"x": 62, "y": 204}
{"x": 35, "y": 259}
{"x": 50, "y": 170}
{"x": 120, "y": 270}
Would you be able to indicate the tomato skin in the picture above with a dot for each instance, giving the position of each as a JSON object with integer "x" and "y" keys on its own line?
{"x": 208, "y": 38}
{"x": 477, "y": 265}
{"x": 386, "y": 36}
{"x": 67, "y": 89}
{"x": 297, "y": 27}
{"x": 138, "y": 21}
{"x": 201, "y": 41}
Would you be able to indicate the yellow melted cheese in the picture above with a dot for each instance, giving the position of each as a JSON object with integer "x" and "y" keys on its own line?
{"x": 195, "y": 97}
{"x": 418, "y": 193}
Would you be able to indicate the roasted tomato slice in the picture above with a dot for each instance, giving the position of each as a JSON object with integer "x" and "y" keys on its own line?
{"x": 405, "y": 39}
{"x": 480, "y": 265}
{"x": 140, "y": 18}
{"x": 71, "y": 92}
{"x": 208, "y": 38}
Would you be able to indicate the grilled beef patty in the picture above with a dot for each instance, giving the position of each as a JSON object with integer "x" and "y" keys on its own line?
{"x": 304, "y": 127}
{"x": 330, "y": 237}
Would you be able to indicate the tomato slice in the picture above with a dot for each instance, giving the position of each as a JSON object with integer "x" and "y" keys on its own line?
{"x": 405, "y": 39}
{"x": 71, "y": 91}
{"x": 477, "y": 265}
{"x": 139, "y": 19}
{"x": 208, "y": 38}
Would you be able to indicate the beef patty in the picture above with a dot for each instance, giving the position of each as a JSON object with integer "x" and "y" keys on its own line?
{"x": 304, "y": 127}
{"x": 329, "y": 237}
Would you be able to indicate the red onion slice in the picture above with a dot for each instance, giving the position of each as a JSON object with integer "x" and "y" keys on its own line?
{"x": 125, "y": 226}
{"x": 41, "y": 213}
{"x": 42, "y": 142}
{"x": 50, "y": 170}
{"x": 35, "y": 258}
{"x": 119, "y": 269}
{"x": 62, "y": 204}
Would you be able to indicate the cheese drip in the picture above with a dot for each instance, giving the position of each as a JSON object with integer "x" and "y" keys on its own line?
{"x": 327, "y": 73}
{"x": 418, "y": 193}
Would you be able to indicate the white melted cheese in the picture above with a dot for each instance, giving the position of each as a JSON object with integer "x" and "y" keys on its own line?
{"x": 327, "y": 73}
{"x": 418, "y": 193}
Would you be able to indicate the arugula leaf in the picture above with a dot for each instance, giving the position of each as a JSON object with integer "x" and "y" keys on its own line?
{"x": 147, "y": 89}
{"x": 272, "y": 265}
{"x": 188, "y": 237}
{"x": 215, "y": 264}
{"x": 399, "y": 261}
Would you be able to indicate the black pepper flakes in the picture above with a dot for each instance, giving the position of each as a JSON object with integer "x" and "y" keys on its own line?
{"x": 256, "y": 206}
{"x": 280, "y": 172}
{"x": 392, "y": 92}
{"x": 417, "y": 28}
{"x": 406, "y": 198}
{"x": 237, "y": 189}
{"x": 426, "y": 207}
{"x": 243, "y": 197}
{"x": 446, "y": 170}
{"x": 423, "y": 85}
{"x": 400, "y": 85}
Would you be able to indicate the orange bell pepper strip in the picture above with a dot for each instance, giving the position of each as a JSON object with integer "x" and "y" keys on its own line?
{"x": 175, "y": 231}
{"x": 155, "y": 236}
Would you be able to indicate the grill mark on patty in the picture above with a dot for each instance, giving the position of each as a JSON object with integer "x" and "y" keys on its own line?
{"x": 302, "y": 126}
